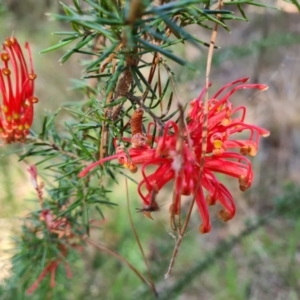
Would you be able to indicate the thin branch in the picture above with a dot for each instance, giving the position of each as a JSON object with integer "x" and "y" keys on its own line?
{"x": 139, "y": 242}
{"x": 209, "y": 259}
{"x": 57, "y": 148}
{"x": 120, "y": 258}
{"x": 204, "y": 145}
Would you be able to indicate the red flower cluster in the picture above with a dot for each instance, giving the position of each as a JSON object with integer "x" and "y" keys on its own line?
{"x": 61, "y": 232}
{"x": 17, "y": 91}
{"x": 52, "y": 227}
{"x": 178, "y": 152}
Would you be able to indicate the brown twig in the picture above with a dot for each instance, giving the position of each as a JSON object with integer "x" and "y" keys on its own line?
{"x": 123, "y": 86}
{"x": 125, "y": 79}
{"x": 178, "y": 176}
{"x": 181, "y": 232}
{"x": 139, "y": 242}
{"x": 57, "y": 148}
{"x": 120, "y": 258}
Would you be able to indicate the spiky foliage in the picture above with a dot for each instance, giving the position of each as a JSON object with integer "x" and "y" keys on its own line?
{"x": 128, "y": 50}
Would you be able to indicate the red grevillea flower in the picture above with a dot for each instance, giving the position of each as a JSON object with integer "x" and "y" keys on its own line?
{"x": 17, "y": 92}
{"x": 177, "y": 155}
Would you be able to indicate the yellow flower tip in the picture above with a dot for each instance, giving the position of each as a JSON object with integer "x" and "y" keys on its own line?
{"x": 242, "y": 180}
{"x": 226, "y": 121}
{"x": 204, "y": 229}
{"x": 13, "y": 40}
{"x": 5, "y": 109}
{"x": 133, "y": 168}
{"x": 244, "y": 150}
{"x": 244, "y": 184}
{"x": 129, "y": 165}
{"x": 263, "y": 87}
{"x": 225, "y": 215}
{"x": 217, "y": 151}
{"x": 265, "y": 134}
{"x": 16, "y": 116}
{"x": 210, "y": 200}
{"x": 6, "y": 71}
{"x": 5, "y": 56}
{"x": 34, "y": 100}
{"x": 27, "y": 103}
{"x": 217, "y": 144}
{"x": 147, "y": 214}
{"x": 250, "y": 150}
{"x": 7, "y": 42}
{"x": 32, "y": 76}
{"x": 243, "y": 188}
{"x": 26, "y": 126}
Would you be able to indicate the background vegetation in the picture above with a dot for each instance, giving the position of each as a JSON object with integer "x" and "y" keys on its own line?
{"x": 257, "y": 254}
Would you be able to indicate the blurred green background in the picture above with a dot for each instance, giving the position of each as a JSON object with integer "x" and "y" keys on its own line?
{"x": 262, "y": 262}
